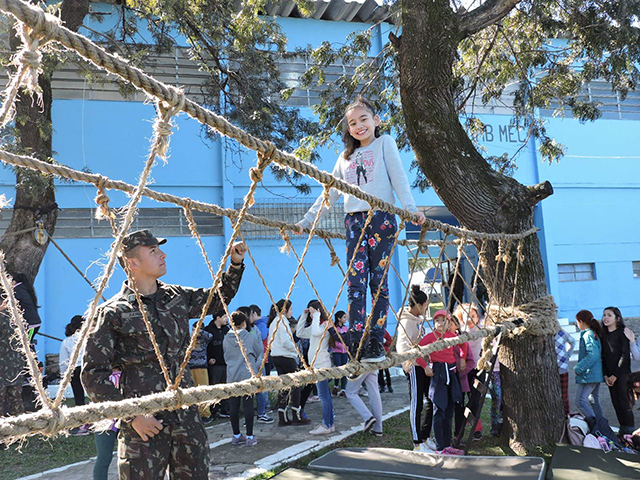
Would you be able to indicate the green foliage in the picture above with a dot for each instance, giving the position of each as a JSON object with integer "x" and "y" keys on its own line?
{"x": 548, "y": 49}
{"x": 241, "y": 52}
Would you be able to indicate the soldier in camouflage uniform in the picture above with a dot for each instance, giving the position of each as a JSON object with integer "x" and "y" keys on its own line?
{"x": 148, "y": 445}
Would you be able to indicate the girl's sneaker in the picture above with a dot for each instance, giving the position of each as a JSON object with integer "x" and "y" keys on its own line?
{"x": 323, "y": 430}
{"x": 451, "y": 451}
{"x": 342, "y": 393}
{"x": 235, "y": 441}
{"x": 431, "y": 444}
{"x": 376, "y": 434}
{"x": 252, "y": 442}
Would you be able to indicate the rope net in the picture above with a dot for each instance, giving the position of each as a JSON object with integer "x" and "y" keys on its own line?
{"x": 449, "y": 253}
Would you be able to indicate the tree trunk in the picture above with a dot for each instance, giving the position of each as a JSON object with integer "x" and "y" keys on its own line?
{"x": 35, "y": 193}
{"x": 481, "y": 199}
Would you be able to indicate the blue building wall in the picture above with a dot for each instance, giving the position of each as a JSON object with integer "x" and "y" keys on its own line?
{"x": 590, "y": 218}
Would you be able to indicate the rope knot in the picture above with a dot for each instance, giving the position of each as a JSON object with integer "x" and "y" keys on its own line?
{"x": 255, "y": 174}
{"x": 265, "y": 158}
{"x": 102, "y": 200}
{"x": 286, "y": 248}
{"x": 178, "y": 397}
{"x": 163, "y": 128}
{"x": 58, "y": 419}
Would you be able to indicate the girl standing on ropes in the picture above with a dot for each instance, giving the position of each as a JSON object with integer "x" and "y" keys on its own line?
{"x": 410, "y": 332}
{"x": 444, "y": 390}
{"x": 318, "y": 348}
{"x": 616, "y": 363}
{"x": 285, "y": 359}
{"x": 589, "y": 367}
{"x": 371, "y": 162}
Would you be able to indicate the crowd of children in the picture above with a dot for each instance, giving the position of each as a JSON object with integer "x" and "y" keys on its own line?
{"x": 604, "y": 355}
{"x": 443, "y": 380}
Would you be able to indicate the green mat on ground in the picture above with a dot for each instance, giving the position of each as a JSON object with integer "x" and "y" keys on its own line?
{"x": 570, "y": 462}
{"x": 387, "y": 463}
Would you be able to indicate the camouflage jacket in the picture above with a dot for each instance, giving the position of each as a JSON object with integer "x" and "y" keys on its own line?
{"x": 120, "y": 339}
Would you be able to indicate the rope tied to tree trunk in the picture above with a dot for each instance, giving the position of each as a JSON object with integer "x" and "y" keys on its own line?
{"x": 540, "y": 316}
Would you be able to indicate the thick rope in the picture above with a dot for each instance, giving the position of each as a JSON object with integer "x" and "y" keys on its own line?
{"x": 28, "y": 63}
{"x": 41, "y": 21}
{"x": 46, "y": 422}
{"x": 102, "y": 183}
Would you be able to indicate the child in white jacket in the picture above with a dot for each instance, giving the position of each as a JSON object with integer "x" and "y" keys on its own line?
{"x": 319, "y": 357}
{"x": 285, "y": 359}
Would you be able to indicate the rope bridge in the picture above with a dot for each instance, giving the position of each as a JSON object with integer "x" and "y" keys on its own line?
{"x": 37, "y": 29}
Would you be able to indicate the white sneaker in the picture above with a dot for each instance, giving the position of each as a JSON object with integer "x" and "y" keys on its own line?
{"x": 425, "y": 449}
{"x": 323, "y": 430}
{"x": 430, "y": 444}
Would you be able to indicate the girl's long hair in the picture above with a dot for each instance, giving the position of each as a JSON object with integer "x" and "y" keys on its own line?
{"x": 586, "y": 317}
{"x": 283, "y": 307}
{"x": 318, "y": 306}
{"x": 350, "y": 143}
{"x": 619, "y": 319}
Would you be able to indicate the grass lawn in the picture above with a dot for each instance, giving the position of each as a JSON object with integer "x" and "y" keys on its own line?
{"x": 36, "y": 455}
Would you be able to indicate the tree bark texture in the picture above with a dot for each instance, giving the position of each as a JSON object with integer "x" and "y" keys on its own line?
{"x": 35, "y": 193}
{"x": 481, "y": 199}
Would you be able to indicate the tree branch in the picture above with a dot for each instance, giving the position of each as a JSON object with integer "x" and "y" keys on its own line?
{"x": 489, "y": 13}
{"x": 540, "y": 191}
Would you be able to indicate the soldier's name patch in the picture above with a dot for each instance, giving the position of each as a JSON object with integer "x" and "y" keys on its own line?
{"x": 174, "y": 301}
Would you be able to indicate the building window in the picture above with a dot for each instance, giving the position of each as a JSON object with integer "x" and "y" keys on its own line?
{"x": 576, "y": 272}
{"x": 290, "y": 212}
{"x": 636, "y": 269}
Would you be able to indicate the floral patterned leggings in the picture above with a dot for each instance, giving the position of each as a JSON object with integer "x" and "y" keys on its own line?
{"x": 372, "y": 255}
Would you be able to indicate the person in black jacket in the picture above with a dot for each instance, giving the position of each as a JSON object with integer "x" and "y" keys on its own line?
{"x": 217, "y": 367}
{"x": 616, "y": 366}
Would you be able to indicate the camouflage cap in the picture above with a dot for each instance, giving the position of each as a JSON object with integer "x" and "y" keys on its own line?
{"x": 141, "y": 238}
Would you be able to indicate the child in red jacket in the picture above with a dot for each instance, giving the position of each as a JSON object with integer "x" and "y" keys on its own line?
{"x": 444, "y": 389}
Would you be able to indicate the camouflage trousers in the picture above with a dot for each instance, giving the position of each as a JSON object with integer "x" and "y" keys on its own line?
{"x": 181, "y": 447}
{"x": 11, "y": 400}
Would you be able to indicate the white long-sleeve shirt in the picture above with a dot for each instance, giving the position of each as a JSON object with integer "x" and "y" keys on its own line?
{"x": 408, "y": 331}
{"x": 282, "y": 345}
{"x": 377, "y": 169}
{"x": 314, "y": 333}
{"x": 66, "y": 349}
